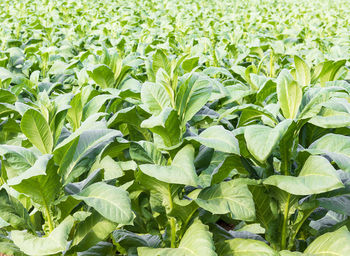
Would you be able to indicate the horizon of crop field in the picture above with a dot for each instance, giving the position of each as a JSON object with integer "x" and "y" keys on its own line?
{"x": 174, "y": 128}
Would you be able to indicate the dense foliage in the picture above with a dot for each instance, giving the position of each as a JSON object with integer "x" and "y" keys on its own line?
{"x": 174, "y": 127}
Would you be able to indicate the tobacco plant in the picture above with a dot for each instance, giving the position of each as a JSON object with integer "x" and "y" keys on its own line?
{"x": 141, "y": 128}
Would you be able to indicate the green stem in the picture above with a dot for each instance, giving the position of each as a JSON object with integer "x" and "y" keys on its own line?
{"x": 297, "y": 229}
{"x": 172, "y": 221}
{"x": 49, "y": 218}
{"x": 285, "y": 224}
{"x": 173, "y": 232}
{"x": 271, "y": 64}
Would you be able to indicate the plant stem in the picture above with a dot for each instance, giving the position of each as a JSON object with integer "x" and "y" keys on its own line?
{"x": 271, "y": 64}
{"x": 173, "y": 232}
{"x": 172, "y": 221}
{"x": 291, "y": 243}
{"x": 285, "y": 224}
{"x": 49, "y": 218}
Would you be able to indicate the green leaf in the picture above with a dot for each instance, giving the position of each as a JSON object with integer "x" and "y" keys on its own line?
{"x": 13, "y": 213}
{"x": 155, "y": 98}
{"x": 102, "y": 75}
{"x": 111, "y": 202}
{"x": 7, "y": 97}
{"x": 191, "y": 95}
{"x": 336, "y": 146}
{"x": 218, "y": 138}
{"x": 37, "y": 130}
{"x": 261, "y": 140}
{"x": 56, "y": 242}
{"x": 102, "y": 248}
{"x": 181, "y": 170}
{"x": 333, "y": 243}
{"x": 129, "y": 239}
{"x": 94, "y": 105}
{"x": 146, "y": 152}
{"x": 40, "y": 182}
{"x": 197, "y": 241}
{"x": 231, "y": 197}
{"x": 303, "y": 74}
{"x": 246, "y": 247}
{"x": 167, "y": 125}
{"x": 18, "y": 159}
{"x": 160, "y": 60}
{"x": 88, "y": 233}
{"x": 316, "y": 176}
{"x": 289, "y": 94}
{"x": 69, "y": 155}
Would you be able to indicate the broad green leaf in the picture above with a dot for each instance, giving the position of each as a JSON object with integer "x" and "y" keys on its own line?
{"x": 111, "y": 202}
{"x": 181, "y": 170}
{"x": 7, "y": 97}
{"x": 129, "y": 239}
{"x": 102, "y": 75}
{"x": 102, "y": 248}
{"x": 167, "y": 125}
{"x": 37, "y": 130}
{"x": 289, "y": 94}
{"x": 333, "y": 243}
{"x": 86, "y": 146}
{"x": 13, "y": 213}
{"x": 253, "y": 110}
{"x": 155, "y": 98}
{"x": 316, "y": 176}
{"x": 218, "y": 138}
{"x": 228, "y": 197}
{"x": 331, "y": 119}
{"x": 94, "y": 105}
{"x": 337, "y": 147}
{"x": 40, "y": 182}
{"x": 92, "y": 230}
{"x": 191, "y": 95}
{"x": 160, "y": 60}
{"x": 75, "y": 113}
{"x": 261, "y": 140}
{"x": 146, "y": 152}
{"x": 329, "y": 70}
{"x": 56, "y": 242}
{"x": 266, "y": 213}
{"x": 246, "y": 247}
{"x": 197, "y": 241}
{"x": 18, "y": 159}
{"x": 303, "y": 75}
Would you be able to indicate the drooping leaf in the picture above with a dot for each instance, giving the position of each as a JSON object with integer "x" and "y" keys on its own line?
{"x": 181, "y": 170}
{"x": 111, "y": 202}
{"x": 316, "y": 176}
{"x": 245, "y": 247}
{"x": 218, "y": 138}
{"x": 56, "y": 242}
{"x": 197, "y": 241}
{"x": 333, "y": 243}
{"x": 40, "y": 182}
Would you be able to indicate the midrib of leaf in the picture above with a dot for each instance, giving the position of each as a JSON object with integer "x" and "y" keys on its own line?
{"x": 47, "y": 210}
{"x": 74, "y": 162}
{"x": 105, "y": 199}
{"x": 41, "y": 138}
{"x": 156, "y": 100}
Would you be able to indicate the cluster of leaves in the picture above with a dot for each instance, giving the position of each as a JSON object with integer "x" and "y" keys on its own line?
{"x": 143, "y": 128}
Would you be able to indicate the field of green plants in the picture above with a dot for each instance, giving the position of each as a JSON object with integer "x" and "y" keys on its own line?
{"x": 175, "y": 128}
